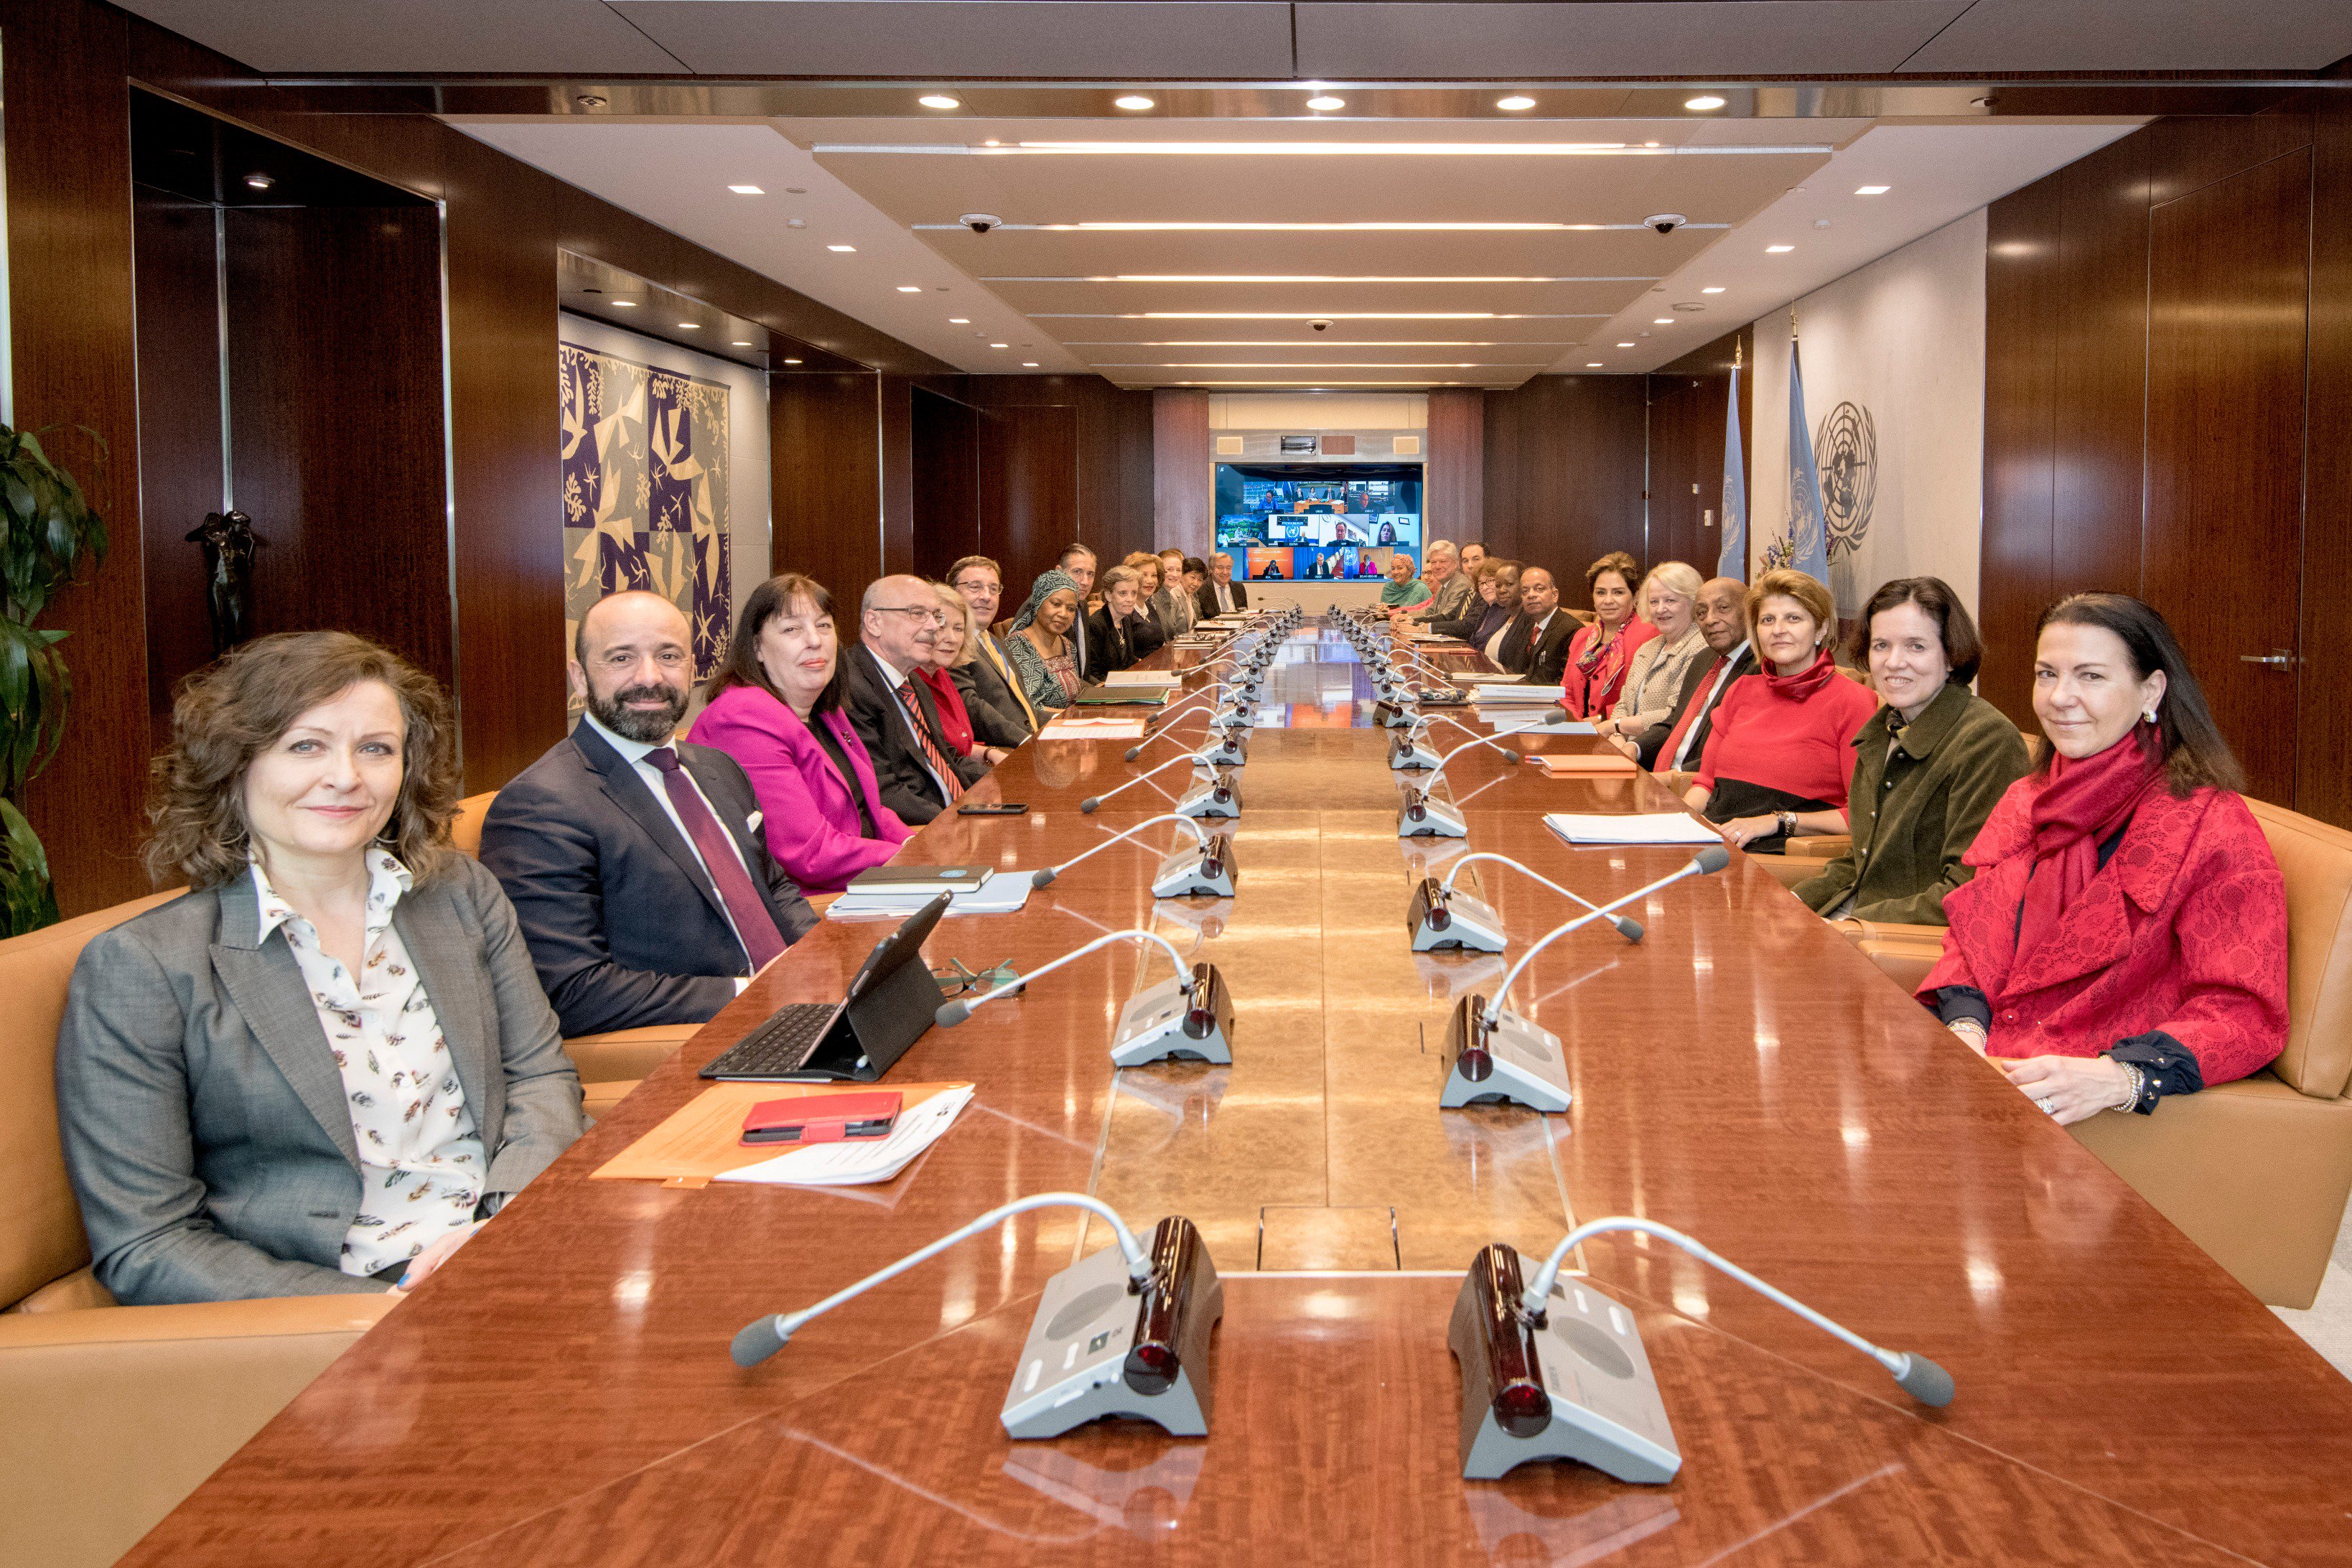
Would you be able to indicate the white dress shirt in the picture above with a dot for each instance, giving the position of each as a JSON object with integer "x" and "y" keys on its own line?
{"x": 1684, "y": 756}
{"x": 1224, "y": 596}
{"x": 635, "y": 753}
{"x": 421, "y": 1163}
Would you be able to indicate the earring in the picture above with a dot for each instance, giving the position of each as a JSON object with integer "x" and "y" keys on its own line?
{"x": 2149, "y": 715}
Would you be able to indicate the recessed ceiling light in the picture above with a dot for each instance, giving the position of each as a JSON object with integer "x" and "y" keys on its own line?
{"x": 958, "y": 320}
{"x": 940, "y": 100}
{"x": 1326, "y": 103}
{"x": 1132, "y": 101}
{"x": 1000, "y": 345}
{"x": 1704, "y": 101}
{"x": 1663, "y": 322}
{"x": 1624, "y": 345}
{"x": 910, "y": 288}
{"x": 691, "y": 326}
{"x": 1778, "y": 249}
{"x": 1716, "y": 289}
{"x": 1871, "y": 190}
{"x": 259, "y": 182}
{"x": 1028, "y": 364}
{"x": 747, "y": 190}
{"x": 1516, "y": 102}
{"x": 742, "y": 342}
{"x": 843, "y": 249}
{"x": 624, "y": 304}
{"x": 791, "y": 361}
{"x": 1593, "y": 364}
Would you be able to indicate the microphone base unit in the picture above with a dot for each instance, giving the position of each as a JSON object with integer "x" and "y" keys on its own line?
{"x": 1098, "y": 1349}
{"x": 1407, "y": 754}
{"x": 1197, "y": 868}
{"x": 1220, "y": 796}
{"x": 1422, "y": 817}
{"x": 1576, "y": 1386}
{"x": 1230, "y": 752}
{"x": 1395, "y": 714}
{"x": 1513, "y": 1063}
{"x": 1442, "y": 921}
{"x": 1160, "y": 1022}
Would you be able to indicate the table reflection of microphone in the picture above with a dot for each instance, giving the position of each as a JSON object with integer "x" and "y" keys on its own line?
{"x": 1201, "y": 757}
{"x": 1712, "y": 858}
{"x": 1210, "y": 868}
{"x": 1421, "y": 815}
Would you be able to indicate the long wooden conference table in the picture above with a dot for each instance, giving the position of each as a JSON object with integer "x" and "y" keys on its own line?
{"x": 561, "y": 1392}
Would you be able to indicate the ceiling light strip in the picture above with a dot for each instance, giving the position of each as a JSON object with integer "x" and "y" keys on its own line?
{"x": 1252, "y": 226}
{"x": 1317, "y": 365}
{"x": 1301, "y": 278}
{"x": 1310, "y": 316}
{"x": 1325, "y": 150}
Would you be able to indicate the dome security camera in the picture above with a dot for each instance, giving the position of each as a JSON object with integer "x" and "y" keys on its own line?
{"x": 980, "y": 222}
{"x": 1665, "y": 223}
{"x": 1321, "y": 326}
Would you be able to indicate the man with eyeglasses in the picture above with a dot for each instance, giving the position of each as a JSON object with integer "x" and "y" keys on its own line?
{"x": 916, "y": 764}
{"x": 634, "y": 862}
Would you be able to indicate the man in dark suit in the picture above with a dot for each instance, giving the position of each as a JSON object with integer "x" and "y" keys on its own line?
{"x": 1220, "y": 596}
{"x": 634, "y": 862}
{"x": 1544, "y": 631}
{"x": 981, "y": 582}
{"x": 892, "y": 711}
{"x": 1676, "y": 744}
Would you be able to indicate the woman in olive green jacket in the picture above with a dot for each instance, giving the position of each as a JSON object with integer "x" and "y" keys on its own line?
{"x": 1928, "y": 766}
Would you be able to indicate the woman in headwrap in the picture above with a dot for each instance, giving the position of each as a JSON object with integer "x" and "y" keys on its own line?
{"x": 1040, "y": 641}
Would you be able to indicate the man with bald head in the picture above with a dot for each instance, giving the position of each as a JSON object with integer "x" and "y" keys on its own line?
{"x": 921, "y": 772}
{"x": 635, "y": 862}
{"x": 1674, "y": 745}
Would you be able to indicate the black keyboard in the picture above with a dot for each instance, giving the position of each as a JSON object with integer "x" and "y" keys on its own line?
{"x": 782, "y": 1045}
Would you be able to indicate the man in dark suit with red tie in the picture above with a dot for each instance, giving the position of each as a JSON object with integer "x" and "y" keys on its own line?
{"x": 635, "y": 862}
{"x": 893, "y": 713}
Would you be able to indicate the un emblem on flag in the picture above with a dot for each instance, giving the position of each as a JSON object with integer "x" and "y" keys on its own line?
{"x": 1846, "y": 449}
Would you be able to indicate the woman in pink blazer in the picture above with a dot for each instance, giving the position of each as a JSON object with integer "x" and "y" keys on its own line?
{"x": 775, "y": 707}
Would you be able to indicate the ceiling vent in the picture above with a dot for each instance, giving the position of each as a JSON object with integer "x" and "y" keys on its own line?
{"x": 1229, "y": 446}
{"x": 1408, "y": 446}
{"x": 1299, "y": 445}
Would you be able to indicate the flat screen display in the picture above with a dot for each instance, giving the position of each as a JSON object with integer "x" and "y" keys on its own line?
{"x": 1310, "y": 522}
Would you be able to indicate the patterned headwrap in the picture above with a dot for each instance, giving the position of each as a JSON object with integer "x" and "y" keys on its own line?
{"x": 1048, "y": 583}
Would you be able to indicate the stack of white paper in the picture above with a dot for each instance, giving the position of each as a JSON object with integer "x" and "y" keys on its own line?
{"x": 855, "y": 1161}
{"x": 1093, "y": 728}
{"x": 1639, "y": 828}
{"x": 1509, "y": 719}
{"x": 999, "y": 893}
{"x": 1167, "y": 677}
{"x": 1483, "y": 693}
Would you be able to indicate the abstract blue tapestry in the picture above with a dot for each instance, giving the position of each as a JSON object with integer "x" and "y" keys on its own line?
{"x": 645, "y": 492}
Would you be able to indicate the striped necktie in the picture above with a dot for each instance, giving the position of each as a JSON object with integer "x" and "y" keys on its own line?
{"x": 932, "y": 749}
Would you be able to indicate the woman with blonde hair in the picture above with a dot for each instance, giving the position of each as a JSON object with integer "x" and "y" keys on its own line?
{"x": 330, "y": 1062}
{"x": 968, "y": 720}
{"x": 1653, "y": 680}
{"x": 1780, "y": 754}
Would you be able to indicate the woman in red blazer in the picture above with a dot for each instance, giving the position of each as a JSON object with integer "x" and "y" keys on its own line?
{"x": 1601, "y": 653}
{"x": 2124, "y": 935}
{"x": 775, "y": 707}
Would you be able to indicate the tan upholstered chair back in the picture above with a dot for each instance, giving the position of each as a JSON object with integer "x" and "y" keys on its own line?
{"x": 2315, "y": 862}
{"x": 40, "y": 1227}
{"x": 467, "y": 831}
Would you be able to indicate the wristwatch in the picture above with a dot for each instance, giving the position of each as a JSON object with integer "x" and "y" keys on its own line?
{"x": 1788, "y": 822}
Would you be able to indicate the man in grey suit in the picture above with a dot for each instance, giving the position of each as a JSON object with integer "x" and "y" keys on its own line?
{"x": 636, "y": 862}
{"x": 981, "y": 582}
{"x": 1451, "y": 588}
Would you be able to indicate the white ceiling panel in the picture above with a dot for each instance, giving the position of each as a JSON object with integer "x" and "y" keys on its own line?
{"x": 1161, "y": 40}
{"x": 1007, "y": 253}
{"x": 2140, "y": 35}
{"x": 1597, "y": 301}
{"x": 1514, "y": 41}
{"x": 415, "y": 36}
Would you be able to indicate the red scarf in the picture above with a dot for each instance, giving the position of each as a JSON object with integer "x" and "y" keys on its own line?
{"x": 955, "y": 723}
{"x": 2085, "y": 803}
{"x": 1805, "y": 683}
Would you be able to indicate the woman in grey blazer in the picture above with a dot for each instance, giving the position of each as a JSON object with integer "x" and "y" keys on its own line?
{"x": 325, "y": 1066}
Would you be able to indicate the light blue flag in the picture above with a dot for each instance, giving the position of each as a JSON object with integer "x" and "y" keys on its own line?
{"x": 1808, "y": 536}
{"x": 1733, "y": 561}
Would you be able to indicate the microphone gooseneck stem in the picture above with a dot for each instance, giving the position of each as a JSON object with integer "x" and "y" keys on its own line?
{"x": 1476, "y": 738}
{"x": 1698, "y": 865}
{"x": 1920, "y": 1377}
{"x": 1524, "y": 871}
{"x": 1199, "y": 838}
{"x": 1092, "y": 801}
{"x": 962, "y": 1009}
{"x": 764, "y": 1337}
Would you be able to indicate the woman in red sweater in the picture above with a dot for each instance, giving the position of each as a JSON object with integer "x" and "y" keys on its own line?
{"x": 1602, "y": 652}
{"x": 1781, "y": 751}
{"x": 2124, "y": 935}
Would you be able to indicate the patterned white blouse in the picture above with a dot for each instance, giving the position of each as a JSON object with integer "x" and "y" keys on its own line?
{"x": 421, "y": 1163}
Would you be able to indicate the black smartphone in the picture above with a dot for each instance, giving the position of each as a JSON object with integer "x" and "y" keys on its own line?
{"x": 993, "y": 809}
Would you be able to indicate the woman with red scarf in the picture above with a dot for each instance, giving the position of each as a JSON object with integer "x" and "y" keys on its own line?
{"x": 1601, "y": 653}
{"x": 2124, "y": 935}
{"x": 1780, "y": 754}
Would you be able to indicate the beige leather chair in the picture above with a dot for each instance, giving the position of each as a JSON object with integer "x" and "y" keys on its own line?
{"x": 2256, "y": 1171}
{"x": 610, "y": 1065}
{"x": 109, "y": 1415}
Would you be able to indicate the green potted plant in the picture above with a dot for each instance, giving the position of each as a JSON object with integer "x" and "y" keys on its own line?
{"x": 46, "y": 528}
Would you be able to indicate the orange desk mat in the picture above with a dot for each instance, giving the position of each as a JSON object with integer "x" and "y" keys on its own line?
{"x": 1585, "y": 764}
{"x": 694, "y": 1144}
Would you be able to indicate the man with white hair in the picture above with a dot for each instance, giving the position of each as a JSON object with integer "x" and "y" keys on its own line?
{"x": 1452, "y": 587}
{"x": 893, "y": 713}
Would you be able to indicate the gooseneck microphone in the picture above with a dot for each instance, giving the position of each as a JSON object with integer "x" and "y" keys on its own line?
{"x": 1092, "y": 801}
{"x": 764, "y": 1337}
{"x": 1477, "y": 739}
{"x": 1918, "y": 1376}
{"x": 1712, "y": 858}
{"x": 1627, "y": 927}
{"x": 1046, "y": 878}
{"x": 952, "y": 1013}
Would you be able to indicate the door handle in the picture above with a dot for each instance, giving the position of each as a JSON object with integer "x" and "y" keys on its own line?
{"x": 2283, "y": 659}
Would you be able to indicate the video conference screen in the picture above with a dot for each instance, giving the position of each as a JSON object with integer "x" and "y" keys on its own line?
{"x": 1318, "y": 523}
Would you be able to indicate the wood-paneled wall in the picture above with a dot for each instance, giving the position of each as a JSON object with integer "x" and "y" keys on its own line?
{"x": 179, "y": 430}
{"x": 1563, "y": 472}
{"x": 2168, "y": 375}
{"x": 824, "y": 444}
{"x": 1688, "y": 399}
{"x": 1183, "y": 487}
{"x": 1454, "y": 474}
{"x": 1062, "y": 458}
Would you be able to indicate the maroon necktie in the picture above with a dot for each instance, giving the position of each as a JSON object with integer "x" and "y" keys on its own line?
{"x": 931, "y": 748}
{"x": 750, "y": 912}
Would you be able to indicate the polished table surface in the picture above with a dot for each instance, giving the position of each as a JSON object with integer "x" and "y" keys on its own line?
{"x": 561, "y": 1393}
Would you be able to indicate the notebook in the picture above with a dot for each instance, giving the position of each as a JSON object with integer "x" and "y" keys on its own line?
{"x": 1638, "y": 827}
